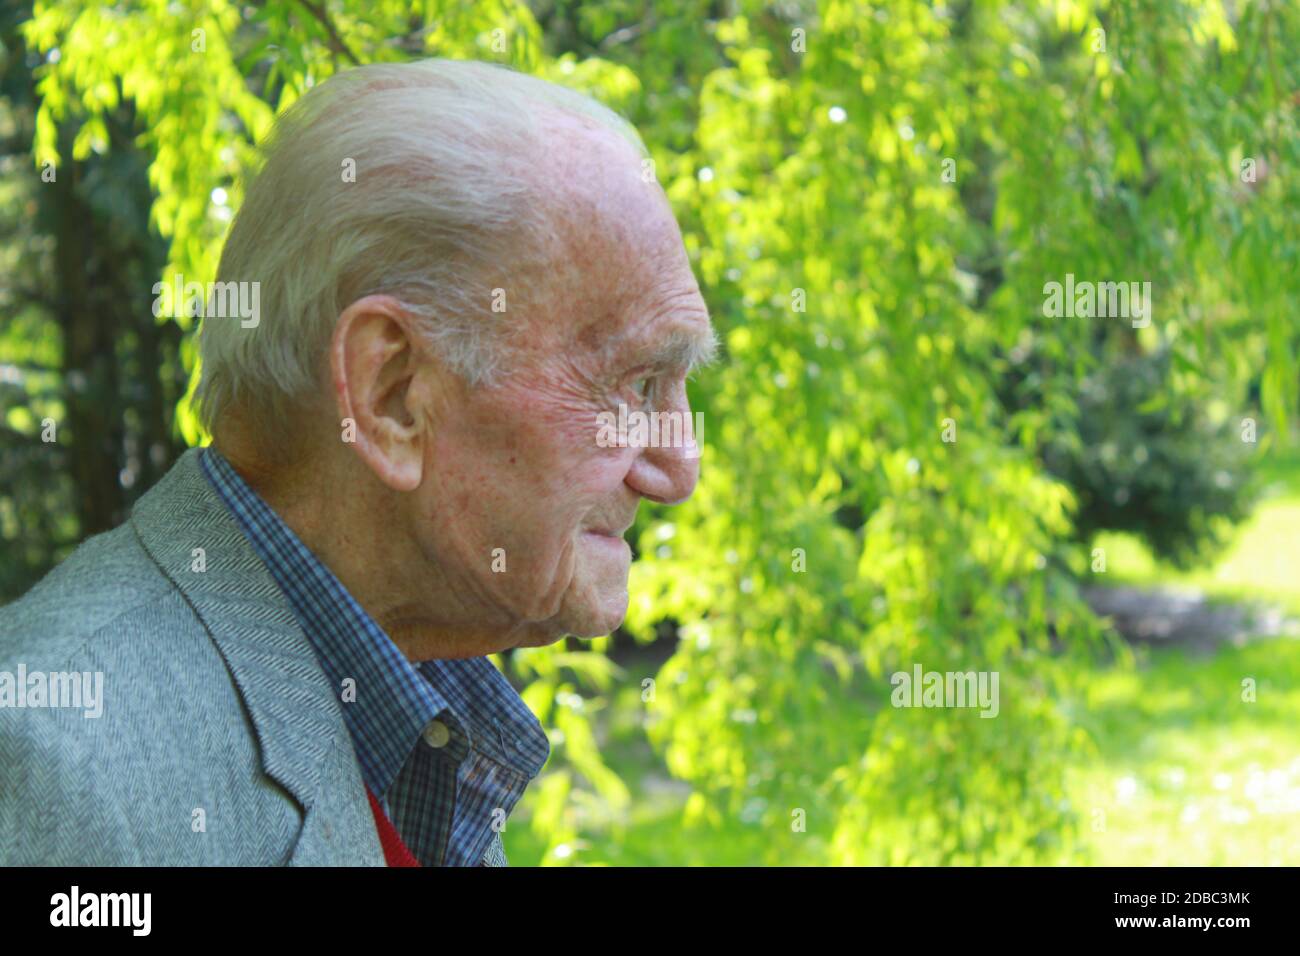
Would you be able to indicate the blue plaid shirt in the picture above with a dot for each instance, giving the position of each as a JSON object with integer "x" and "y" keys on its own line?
{"x": 446, "y": 746}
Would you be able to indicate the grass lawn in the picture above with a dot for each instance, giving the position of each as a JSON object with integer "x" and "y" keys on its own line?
{"x": 1189, "y": 774}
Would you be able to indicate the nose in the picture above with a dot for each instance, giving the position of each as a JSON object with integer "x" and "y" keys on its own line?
{"x": 667, "y": 470}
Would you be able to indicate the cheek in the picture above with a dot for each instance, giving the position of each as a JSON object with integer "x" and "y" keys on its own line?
{"x": 526, "y": 478}
{"x": 563, "y": 464}
{"x": 531, "y": 514}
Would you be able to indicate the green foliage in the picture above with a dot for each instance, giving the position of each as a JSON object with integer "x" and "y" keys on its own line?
{"x": 1156, "y": 465}
{"x": 867, "y": 303}
{"x": 88, "y": 379}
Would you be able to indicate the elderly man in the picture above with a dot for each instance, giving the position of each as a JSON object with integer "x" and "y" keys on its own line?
{"x": 460, "y": 269}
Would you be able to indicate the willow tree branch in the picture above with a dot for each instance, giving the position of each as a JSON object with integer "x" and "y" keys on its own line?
{"x": 337, "y": 43}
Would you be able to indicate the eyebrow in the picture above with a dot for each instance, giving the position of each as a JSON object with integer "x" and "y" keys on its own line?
{"x": 681, "y": 348}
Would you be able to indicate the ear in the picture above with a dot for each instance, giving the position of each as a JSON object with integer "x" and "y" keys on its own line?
{"x": 374, "y": 356}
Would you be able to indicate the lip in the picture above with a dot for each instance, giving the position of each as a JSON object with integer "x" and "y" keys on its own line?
{"x": 609, "y": 547}
{"x": 608, "y": 532}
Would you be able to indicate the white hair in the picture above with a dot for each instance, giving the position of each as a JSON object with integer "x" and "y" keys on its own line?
{"x": 441, "y": 196}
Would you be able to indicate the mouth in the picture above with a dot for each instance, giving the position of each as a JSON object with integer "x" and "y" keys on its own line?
{"x": 606, "y": 539}
{"x": 610, "y": 531}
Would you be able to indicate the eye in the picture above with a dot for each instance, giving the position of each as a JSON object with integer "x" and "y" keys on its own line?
{"x": 641, "y": 387}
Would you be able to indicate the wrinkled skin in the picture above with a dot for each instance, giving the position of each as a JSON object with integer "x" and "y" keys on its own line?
{"x": 520, "y": 468}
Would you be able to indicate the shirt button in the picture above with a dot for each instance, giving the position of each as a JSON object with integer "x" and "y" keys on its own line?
{"x": 436, "y": 734}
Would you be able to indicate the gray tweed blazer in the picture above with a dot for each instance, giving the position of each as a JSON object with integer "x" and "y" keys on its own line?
{"x": 219, "y": 739}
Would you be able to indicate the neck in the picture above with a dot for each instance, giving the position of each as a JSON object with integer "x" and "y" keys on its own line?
{"x": 352, "y": 535}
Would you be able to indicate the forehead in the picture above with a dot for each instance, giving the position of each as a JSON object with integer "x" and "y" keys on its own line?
{"x": 618, "y": 279}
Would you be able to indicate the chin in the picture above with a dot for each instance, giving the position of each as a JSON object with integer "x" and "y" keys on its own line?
{"x": 595, "y": 618}
{"x": 596, "y": 600}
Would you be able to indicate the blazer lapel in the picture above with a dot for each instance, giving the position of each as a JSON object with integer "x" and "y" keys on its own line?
{"x": 187, "y": 529}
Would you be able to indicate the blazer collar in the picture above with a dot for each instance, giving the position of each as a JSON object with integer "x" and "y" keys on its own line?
{"x": 294, "y": 711}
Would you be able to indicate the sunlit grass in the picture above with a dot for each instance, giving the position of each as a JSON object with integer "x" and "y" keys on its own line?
{"x": 1188, "y": 773}
{"x": 1260, "y": 562}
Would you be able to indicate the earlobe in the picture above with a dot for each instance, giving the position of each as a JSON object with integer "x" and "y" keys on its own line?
{"x": 372, "y": 361}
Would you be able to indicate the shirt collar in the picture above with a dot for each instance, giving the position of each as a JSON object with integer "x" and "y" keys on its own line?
{"x": 388, "y": 700}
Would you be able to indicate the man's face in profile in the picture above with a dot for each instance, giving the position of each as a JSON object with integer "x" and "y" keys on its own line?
{"x": 524, "y": 508}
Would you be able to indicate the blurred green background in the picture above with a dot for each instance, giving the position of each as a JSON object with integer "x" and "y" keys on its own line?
{"x": 906, "y": 461}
